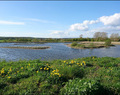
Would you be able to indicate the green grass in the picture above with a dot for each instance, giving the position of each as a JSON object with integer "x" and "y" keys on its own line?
{"x": 83, "y": 76}
{"x": 89, "y": 45}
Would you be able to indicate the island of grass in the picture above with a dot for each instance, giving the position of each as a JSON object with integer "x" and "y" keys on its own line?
{"x": 82, "y": 76}
{"x": 28, "y": 47}
{"x": 90, "y": 45}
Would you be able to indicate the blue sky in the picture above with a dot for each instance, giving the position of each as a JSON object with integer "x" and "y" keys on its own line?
{"x": 58, "y": 19}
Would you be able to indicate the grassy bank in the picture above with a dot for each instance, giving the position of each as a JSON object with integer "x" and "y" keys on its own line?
{"x": 89, "y": 45}
{"x": 28, "y": 47}
{"x": 82, "y": 76}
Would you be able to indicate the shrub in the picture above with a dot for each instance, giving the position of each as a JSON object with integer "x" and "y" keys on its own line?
{"x": 82, "y": 46}
{"x": 108, "y": 42}
{"x": 74, "y": 44}
{"x": 82, "y": 87}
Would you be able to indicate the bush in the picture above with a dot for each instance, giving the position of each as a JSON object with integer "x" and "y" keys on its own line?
{"x": 74, "y": 44}
{"x": 82, "y": 87}
{"x": 108, "y": 42}
{"x": 82, "y": 46}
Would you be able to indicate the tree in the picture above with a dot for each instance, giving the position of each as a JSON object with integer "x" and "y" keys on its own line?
{"x": 100, "y": 35}
{"x": 114, "y": 37}
{"x": 81, "y": 36}
{"x": 108, "y": 42}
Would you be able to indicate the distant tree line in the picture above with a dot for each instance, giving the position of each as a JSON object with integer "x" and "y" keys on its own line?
{"x": 98, "y": 36}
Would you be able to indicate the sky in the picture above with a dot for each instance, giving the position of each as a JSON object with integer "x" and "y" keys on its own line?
{"x": 58, "y": 19}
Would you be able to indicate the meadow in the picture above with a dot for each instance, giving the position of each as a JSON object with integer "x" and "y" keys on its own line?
{"x": 82, "y": 76}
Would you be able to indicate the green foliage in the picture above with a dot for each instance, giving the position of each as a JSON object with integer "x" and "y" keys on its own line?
{"x": 82, "y": 87}
{"x": 74, "y": 44}
{"x": 48, "y": 77}
{"x": 82, "y": 46}
{"x": 108, "y": 42}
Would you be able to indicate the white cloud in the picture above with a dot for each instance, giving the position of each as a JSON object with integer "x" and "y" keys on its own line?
{"x": 82, "y": 26}
{"x": 87, "y": 22}
{"x": 11, "y": 22}
{"x": 113, "y": 20}
{"x": 39, "y": 20}
{"x": 78, "y": 26}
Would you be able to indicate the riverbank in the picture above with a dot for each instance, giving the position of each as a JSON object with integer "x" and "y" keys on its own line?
{"x": 114, "y": 43}
{"x": 96, "y": 75}
{"x": 28, "y": 47}
{"x": 89, "y": 45}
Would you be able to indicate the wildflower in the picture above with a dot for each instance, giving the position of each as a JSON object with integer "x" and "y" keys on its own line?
{"x": 72, "y": 61}
{"x": 41, "y": 68}
{"x": 21, "y": 67}
{"x": 93, "y": 57}
{"x": 64, "y": 61}
{"x": 17, "y": 71}
{"x": 9, "y": 77}
{"x": 84, "y": 63}
{"x": 29, "y": 64}
{"x": 36, "y": 71}
{"x": 2, "y": 71}
{"x": 47, "y": 69}
{"x": 81, "y": 64}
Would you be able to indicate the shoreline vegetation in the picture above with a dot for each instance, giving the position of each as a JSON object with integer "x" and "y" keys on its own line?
{"x": 91, "y": 45}
{"x": 28, "y": 47}
{"x": 88, "y": 76}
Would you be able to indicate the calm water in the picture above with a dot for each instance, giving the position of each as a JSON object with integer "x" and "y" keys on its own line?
{"x": 57, "y": 51}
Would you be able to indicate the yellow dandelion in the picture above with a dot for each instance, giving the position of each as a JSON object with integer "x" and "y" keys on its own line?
{"x": 29, "y": 64}
{"x": 36, "y": 71}
{"x": 41, "y": 68}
